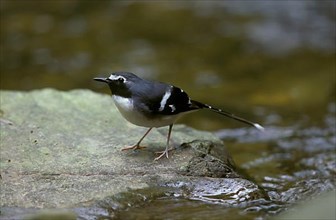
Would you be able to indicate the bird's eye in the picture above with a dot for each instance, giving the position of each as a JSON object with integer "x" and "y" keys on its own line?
{"x": 121, "y": 79}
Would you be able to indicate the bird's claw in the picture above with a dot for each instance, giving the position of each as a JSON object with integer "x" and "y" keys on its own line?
{"x": 162, "y": 153}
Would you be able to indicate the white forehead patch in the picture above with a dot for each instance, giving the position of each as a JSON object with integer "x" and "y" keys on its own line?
{"x": 116, "y": 77}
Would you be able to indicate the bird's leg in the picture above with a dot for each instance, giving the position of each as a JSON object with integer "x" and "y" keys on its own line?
{"x": 137, "y": 145}
{"x": 165, "y": 152}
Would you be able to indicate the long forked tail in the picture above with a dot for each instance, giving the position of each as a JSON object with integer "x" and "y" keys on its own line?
{"x": 200, "y": 105}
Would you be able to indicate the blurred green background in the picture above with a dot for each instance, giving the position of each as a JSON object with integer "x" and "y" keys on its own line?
{"x": 271, "y": 62}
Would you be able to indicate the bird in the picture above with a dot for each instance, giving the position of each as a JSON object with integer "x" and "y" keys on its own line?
{"x": 154, "y": 104}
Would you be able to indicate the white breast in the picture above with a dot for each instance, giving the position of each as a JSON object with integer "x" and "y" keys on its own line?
{"x": 123, "y": 104}
{"x": 126, "y": 108}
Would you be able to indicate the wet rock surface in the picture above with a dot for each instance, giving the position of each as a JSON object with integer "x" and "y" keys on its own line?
{"x": 206, "y": 163}
{"x": 61, "y": 151}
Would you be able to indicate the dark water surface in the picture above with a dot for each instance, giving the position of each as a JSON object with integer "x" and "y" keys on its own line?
{"x": 273, "y": 63}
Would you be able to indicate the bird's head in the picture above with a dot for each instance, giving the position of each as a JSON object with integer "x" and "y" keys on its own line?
{"x": 120, "y": 83}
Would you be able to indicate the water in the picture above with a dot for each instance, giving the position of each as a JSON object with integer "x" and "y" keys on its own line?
{"x": 272, "y": 63}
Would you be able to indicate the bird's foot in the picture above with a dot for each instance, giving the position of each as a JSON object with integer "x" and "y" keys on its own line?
{"x": 162, "y": 153}
{"x": 134, "y": 147}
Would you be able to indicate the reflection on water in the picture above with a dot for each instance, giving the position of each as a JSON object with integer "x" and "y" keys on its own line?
{"x": 291, "y": 164}
{"x": 271, "y": 62}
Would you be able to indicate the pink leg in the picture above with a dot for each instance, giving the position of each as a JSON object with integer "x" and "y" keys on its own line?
{"x": 165, "y": 152}
{"x": 137, "y": 145}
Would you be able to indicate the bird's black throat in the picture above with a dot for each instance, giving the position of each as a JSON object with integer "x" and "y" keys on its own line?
{"x": 119, "y": 90}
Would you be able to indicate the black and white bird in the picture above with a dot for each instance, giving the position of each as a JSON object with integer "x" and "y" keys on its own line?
{"x": 154, "y": 104}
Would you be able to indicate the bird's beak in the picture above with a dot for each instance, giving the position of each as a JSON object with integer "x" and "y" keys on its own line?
{"x": 101, "y": 79}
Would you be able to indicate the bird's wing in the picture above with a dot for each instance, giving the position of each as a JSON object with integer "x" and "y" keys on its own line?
{"x": 166, "y": 100}
{"x": 177, "y": 102}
